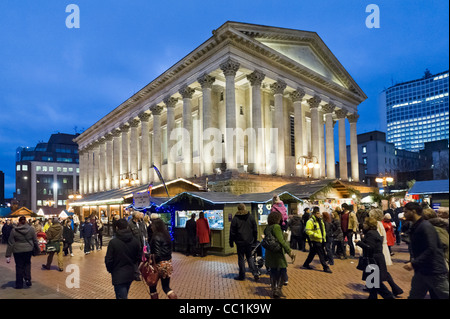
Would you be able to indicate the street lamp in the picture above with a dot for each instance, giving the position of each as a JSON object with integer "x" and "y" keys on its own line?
{"x": 128, "y": 180}
{"x": 307, "y": 163}
{"x": 384, "y": 180}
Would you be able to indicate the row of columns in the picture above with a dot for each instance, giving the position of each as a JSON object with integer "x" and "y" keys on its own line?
{"x": 116, "y": 155}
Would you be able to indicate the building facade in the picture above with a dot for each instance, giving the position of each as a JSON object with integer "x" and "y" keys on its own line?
{"x": 251, "y": 98}
{"x": 47, "y": 174}
{"x": 417, "y": 111}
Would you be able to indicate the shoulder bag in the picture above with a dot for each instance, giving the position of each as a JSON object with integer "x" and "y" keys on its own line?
{"x": 149, "y": 272}
{"x": 270, "y": 242}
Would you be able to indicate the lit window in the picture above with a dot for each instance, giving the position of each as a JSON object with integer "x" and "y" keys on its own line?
{"x": 18, "y": 168}
{"x": 364, "y": 149}
{"x": 24, "y": 168}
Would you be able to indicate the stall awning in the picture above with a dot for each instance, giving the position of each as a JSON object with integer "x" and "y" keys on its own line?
{"x": 429, "y": 187}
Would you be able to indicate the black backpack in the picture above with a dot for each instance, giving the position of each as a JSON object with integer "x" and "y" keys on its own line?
{"x": 270, "y": 242}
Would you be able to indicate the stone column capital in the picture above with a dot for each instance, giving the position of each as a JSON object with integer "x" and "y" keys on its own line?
{"x": 156, "y": 109}
{"x": 278, "y": 87}
{"x": 186, "y": 92}
{"x": 124, "y": 128}
{"x": 297, "y": 95}
{"x": 144, "y": 117}
{"x": 206, "y": 81}
{"x": 170, "y": 101}
{"x": 328, "y": 108}
{"x": 256, "y": 78}
{"x": 230, "y": 67}
{"x": 134, "y": 123}
{"x": 109, "y": 137}
{"x": 314, "y": 102}
{"x": 341, "y": 114}
{"x": 115, "y": 133}
{"x": 353, "y": 118}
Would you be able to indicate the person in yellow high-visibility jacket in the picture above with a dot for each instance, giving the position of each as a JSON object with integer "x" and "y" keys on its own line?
{"x": 315, "y": 229}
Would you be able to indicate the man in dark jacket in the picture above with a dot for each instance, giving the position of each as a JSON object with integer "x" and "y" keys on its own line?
{"x": 295, "y": 224}
{"x": 137, "y": 227}
{"x": 123, "y": 252}
{"x": 191, "y": 230}
{"x": 427, "y": 257}
{"x": 244, "y": 233}
{"x": 86, "y": 232}
{"x": 55, "y": 237}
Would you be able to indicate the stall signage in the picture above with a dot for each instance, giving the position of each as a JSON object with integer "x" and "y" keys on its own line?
{"x": 141, "y": 199}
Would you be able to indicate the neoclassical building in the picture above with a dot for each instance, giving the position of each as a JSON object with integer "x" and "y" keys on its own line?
{"x": 283, "y": 85}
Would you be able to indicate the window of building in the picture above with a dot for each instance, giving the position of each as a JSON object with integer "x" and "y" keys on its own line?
{"x": 25, "y": 168}
{"x": 50, "y": 169}
{"x": 364, "y": 149}
{"x": 39, "y": 202}
{"x": 364, "y": 160}
{"x": 18, "y": 168}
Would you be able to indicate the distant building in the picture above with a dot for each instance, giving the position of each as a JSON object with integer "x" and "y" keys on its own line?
{"x": 47, "y": 173}
{"x": 417, "y": 111}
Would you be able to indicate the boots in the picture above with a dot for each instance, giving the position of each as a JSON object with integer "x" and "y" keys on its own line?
{"x": 280, "y": 283}
{"x": 172, "y": 295}
{"x": 154, "y": 295}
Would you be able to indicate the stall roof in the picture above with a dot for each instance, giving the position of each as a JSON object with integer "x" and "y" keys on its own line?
{"x": 430, "y": 187}
{"x": 304, "y": 191}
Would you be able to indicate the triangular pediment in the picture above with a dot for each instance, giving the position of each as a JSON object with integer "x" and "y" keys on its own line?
{"x": 304, "y": 55}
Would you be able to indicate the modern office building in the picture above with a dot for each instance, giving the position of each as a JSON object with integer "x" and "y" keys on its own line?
{"x": 47, "y": 174}
{"x": 417, "y": 111}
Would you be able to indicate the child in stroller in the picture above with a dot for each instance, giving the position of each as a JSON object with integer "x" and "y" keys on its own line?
{"x": 258, "y": 256}
{"x": 42, "y": 240}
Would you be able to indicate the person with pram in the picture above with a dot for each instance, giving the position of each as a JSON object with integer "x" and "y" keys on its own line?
{"x": 244, "y": 232}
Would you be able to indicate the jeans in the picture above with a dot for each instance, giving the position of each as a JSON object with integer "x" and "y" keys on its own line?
{"x": 383, "y": 291}
{"x": 349, "y": 235}
{"x": 245, "y": 252}
{"x": 296, "y": 242}
{"x": 316, "y": 248}
{"x": 338, "y": 247}
{"x": 329, "y": 251}
{"x": 437, "y": 285}
{"x": 60, "y": 257}
{"x": 165, "y": 283}
{"x": 23, "y": 267}
{"x": 121, "y": 290}
{"x": 87, "y": 244}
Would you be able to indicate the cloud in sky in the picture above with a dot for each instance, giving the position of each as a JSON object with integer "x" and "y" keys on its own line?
{"x": 53, "y": 78}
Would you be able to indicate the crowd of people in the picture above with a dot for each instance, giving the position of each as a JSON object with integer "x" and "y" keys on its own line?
{"x": 330, "y": 235}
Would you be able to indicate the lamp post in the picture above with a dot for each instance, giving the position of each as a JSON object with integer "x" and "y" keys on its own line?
{"x": 384, "y": 180}
{"x": 307, "y": 163}
{"x": 128, "y": 181}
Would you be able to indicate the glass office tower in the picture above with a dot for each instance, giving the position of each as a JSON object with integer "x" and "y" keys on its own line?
{"x": 417, "y": 111}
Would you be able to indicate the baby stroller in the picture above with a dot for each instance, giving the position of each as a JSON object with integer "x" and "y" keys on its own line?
{"x": 42, "y": 240}
{"x": 258, "y": 256}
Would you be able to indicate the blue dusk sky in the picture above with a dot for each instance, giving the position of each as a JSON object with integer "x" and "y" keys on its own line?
{"x": 55, "y": 79}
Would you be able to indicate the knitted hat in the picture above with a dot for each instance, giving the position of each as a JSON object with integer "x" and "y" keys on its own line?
{"x": 387, "y": 216}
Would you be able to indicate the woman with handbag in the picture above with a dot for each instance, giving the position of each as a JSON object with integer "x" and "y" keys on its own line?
{"x": 23, "y": 244}
{"x": 161, "y": 248}
{"x": 372, "y": 245}
{"x": 54, "y": 245}
{"x": 275, "y": 259}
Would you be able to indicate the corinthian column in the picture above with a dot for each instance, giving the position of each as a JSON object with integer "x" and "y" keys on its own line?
{"x": 277, "y": 90}
{"x": 341, "y": 114}
{"x": 206, "y": 81}
{"x": 90, "y": 169}
{"x": 124, "y": 168}
{"x": 257, "y": 147}
{"x": 315, "y": 134}
{"x": 101, "y": 164}
{"x": 109, "y": 162}
{"x": 353, "y": 118}
{"x": 134, "y": 147}
{"x": 156, "y": 152}
{"x": 82, "y": 171}
{"x": 170, "y": 103}
{"x": 117, "y": 137}
{"x": 330, "y": 161}
{"x": 145, "y": 147}
{"x": 230, "y": 68}
{"x": 187, "y": 93}
{"x": 299, "y": 127}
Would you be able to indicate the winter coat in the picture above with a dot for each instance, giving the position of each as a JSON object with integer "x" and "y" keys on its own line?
{"x": 6, "y": 231}
{"x": 55, "y": 232}
{"x": 121, "y": 257}
{"x": 427, "y": 256}
{"x": 315, "y": 229}
{"x": 336, "y": 230}
{"x": 276, "y": 259}
{"x": 279, "y": 207}
{"x": 21, "y": 240}
{"x": 386, "y": 252}
{"x": 390, "y": 236}
{"x": 372, "y": 245}
{"x": 441, "y": 226}
{"x": 191, "y": 228}
{"x": 243, "y": 229}
{"x": 86, "y": 230}
{"x": 138, "y": 230}
{"x": 328, "y": 237}
{"x": 296, "y": 225}
{"x": 161, "y": 247}
{"x": 68, "y": 234}
{"x": 203, "y": 231}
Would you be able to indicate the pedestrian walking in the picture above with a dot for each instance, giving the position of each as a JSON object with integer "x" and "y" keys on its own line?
{"x": 203, "y": 233}
{"x": 55, "y": 243}
{"x": 441, "y": 227}
{"x": 372, "y": 245}
{"x": 315, "y": 228}
{"x": 337, "y": 248}
{"x": 390, "y": 235}
{"x": 275, "y": 260}
{"x": 6, "y": 231}
{"x": 68, "y": 238}
{"x": 22, "y": 244}
{"x": 86, "y": 232}
{"x": 306, "y": 216}
{"x": 191, "y": 230}
{"x": 100, "y": 233}
{"x": 349, "y": 225}
{"x": 161, "y": 247}
{"x": 136, "y": 227}
{"x": 329, "y": 256}
{"x": 427, "y": 260}
{"x": 123, "y": 252}
{"x": 244, "y": 232}
{"x": 295, "y": 225}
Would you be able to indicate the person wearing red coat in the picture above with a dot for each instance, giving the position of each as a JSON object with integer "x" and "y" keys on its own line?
{"x": 203, "y": 233}
{"x": 390, "y": 235}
